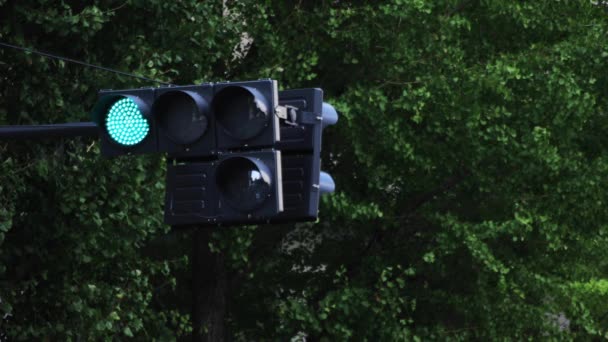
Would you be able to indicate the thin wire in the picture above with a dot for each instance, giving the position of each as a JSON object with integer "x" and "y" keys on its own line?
{"x": 81, "y": 63}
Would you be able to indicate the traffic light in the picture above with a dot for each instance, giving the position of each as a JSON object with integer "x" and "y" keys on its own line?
{"x": 241, "y": 170}
{"x": 237, "y": 152}
{"x": 125, "y": 121}
{"x": 245, "y": 113}
{"x": 184, "y": 120}
{"x": 303, "y": 180}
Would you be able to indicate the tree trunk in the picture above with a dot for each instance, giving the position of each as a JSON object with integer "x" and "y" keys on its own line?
{"x": 208, "y": 290}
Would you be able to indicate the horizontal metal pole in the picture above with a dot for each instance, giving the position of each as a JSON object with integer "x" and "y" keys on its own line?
{"x": 64, "y": 130}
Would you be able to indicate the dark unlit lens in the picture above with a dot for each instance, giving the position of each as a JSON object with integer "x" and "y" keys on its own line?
{"x": 180, "y": 117}
{"x": 242, "y": 183}
{"x": 242, "y": 114}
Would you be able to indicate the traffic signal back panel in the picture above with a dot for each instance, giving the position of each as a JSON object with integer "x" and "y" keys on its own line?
{"x": 301, "y": 155}
{"x": 189, "y": 193}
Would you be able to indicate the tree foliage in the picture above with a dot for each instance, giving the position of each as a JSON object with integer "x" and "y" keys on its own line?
{"x": 469, "y": 160}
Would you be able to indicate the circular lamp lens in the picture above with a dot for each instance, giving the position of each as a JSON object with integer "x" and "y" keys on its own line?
{"x": 241, "y": 113}
{"x": 243, "y": 182}
{"x": 125, "y": 123}
{"x": 181, "y": 117}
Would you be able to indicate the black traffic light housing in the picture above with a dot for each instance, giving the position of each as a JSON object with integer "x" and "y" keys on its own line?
{"x": 243, "y": 167}
{"x": 237, "y": 152}
{"x": 241, "y": 187}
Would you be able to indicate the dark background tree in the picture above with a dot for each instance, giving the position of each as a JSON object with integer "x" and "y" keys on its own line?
{"x": 469, "y": 160}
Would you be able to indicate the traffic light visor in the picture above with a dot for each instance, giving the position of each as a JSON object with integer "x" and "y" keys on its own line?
{"x": 122, "y": 117}
{"x": 245, "y": 183}
{"x": 242, "y": 112}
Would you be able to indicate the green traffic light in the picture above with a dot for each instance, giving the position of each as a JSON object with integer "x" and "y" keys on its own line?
{"x": 125, "y": 123}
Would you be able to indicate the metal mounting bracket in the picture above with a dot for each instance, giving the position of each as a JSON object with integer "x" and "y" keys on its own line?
{"x": 294, "y": 116}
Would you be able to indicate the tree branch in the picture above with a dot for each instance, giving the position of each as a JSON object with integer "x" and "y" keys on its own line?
{"x": 422, "y": 199}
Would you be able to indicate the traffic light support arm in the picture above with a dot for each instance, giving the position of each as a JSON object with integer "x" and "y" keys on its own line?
{"x": 64, "y": 130}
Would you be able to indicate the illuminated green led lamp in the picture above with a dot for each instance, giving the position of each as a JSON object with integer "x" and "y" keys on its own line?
{"x": 125, "y": 123}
